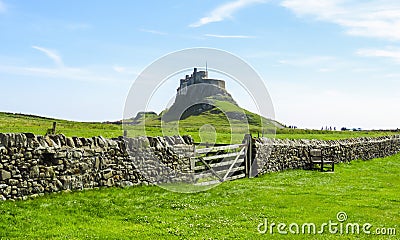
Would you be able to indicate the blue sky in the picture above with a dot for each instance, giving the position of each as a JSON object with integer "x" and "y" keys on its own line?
{"x": 325, "y": 63}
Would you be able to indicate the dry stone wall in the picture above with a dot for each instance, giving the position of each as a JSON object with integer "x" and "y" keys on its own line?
{"x": 34, "y": 165}
{"x": 272, "y": 155}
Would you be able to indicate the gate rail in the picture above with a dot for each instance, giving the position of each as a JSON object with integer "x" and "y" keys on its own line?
{"x": 220, "y": 162}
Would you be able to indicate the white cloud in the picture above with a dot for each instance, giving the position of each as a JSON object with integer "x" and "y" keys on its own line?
{"x": 392, "y": 53}
{"x": 153, "y": 31}
{"x": 323, "y": 9}
{"x": 392, "y": 75}
{"x": 51, "y": 54}
{"x": 64, "y": 72}
{"x": 228, "y": 36}
{"x": 224, "y": 11}
{"x": 379, "y": 19}
{"x": 119, "y": 69}
{"x": 308, "y": 61}
{"x": 125, "y": 70}
{"x": 325, "y": 70}
{"x": 3, "y": 7}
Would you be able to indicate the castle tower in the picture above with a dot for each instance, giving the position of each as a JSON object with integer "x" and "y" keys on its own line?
{"x": 198, "y": 77}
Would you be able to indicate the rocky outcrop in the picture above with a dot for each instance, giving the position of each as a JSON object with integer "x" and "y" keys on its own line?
{"x": 195, "y": 100}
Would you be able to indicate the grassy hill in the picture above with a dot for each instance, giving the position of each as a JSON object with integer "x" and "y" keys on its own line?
{"x": 10, "y": 122}
{"x": 366, "y": 191}
{"x": 234, "y": 125}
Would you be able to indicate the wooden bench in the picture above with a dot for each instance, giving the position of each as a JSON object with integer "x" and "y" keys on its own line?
{"x": 317, "y": 161}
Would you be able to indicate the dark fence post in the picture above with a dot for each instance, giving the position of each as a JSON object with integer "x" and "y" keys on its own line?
{"x": 248, "y": 140}
{"x": 53, "y": 130}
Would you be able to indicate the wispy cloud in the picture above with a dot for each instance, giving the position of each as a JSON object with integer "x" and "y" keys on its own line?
{"x": 392, "y": 53}
{"x": 119, "y": 69}
{"x": 395, "y": 76}
{"x": 99, "y": 74}
{"x": 308, "y": 61}
{"x": 321, "y": 64}
{"x": 326, "y": 70}
{"x": 228, "y": 36}
{"x": 3, "y": 7}
{"x": 51, "y": 54}
{"x": 63, "y": 72}
{"x": 124, "y": 70}
{"x": 223, "y": 12}
{"x": 378, "y": 19}
{"x": 153, "y": 31}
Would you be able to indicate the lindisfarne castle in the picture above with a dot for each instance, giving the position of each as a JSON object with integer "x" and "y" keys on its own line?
{"x": 198, "y": 77}
{"x": 196, "y": 93}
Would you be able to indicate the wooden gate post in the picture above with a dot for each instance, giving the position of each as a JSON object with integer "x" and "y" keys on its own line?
{"x": 53, "y": 130}
{"x": 248, "y": 140}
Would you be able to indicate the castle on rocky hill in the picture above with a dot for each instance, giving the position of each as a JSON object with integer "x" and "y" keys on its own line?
{"x": 198, "y": 77}
{"x": 196, "y": 94}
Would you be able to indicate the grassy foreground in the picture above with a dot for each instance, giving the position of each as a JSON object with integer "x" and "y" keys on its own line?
{"x": 368, "y": 192}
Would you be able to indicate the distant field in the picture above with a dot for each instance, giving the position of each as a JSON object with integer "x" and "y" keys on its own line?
{"x": 38, "y": 125}
{"x": 368, "y": 192}
{"x": 23, "y": 123}
{"x": 328, "y": 135}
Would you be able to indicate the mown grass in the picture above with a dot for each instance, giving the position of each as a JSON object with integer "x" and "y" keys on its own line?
{"x": 367, "y": 191}
{"x": 225, "y": 132}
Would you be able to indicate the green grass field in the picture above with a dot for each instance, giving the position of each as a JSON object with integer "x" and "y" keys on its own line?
{"x": 22, "y": 123}
{"x": 368, "y": 192}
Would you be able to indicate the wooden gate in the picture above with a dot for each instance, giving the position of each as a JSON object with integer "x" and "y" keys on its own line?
{"x": 220, "y": 163}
